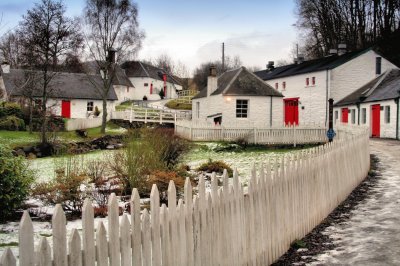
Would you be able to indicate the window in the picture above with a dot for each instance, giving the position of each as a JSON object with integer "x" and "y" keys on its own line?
{"x": 353, "y": 116}
{"x": 313, "y": 80}
{"x": 241, "y": 108}
{"x": 89, "y": 107}
{"x": 336, "y": 115}
{"x": 363, "y": 115}
{"x": 307, "y": 81}
{"x": 146, "y": 84}
{"x": 387, "y": 114}
{"x": 284, "y": 85}
{"x": 276, "y": 86}
{"x": 378, "y": 65}
{"x": 198, "y": 109}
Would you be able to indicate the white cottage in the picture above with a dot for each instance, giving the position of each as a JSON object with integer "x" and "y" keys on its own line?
{"x": 307, "y": 85}
{"x": 149, "y": 80}
{"x": 375, "y": 104}
{"x": 70, "y": 95}
{"x": 238, "y": 97}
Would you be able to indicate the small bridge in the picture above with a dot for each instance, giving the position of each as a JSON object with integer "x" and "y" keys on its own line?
{"x": 152, "y": 115}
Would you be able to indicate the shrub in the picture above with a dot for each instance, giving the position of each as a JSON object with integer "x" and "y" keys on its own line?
{"x": 15, "y": 182}
{"x": 174, "y": 104}
{"x": 162, "y": 94}
{"x": 215, "y": 166}
{"x": 67, "y": 189}
{"x": 12, "y": 123}
{"x": 96, "y": 111}
{"x": 161, "y": 179}
{"x": 10, "y": 109}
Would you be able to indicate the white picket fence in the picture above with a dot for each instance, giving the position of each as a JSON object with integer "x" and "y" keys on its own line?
{"x": 251, "y": 133}
{"x": 284, "y": 201}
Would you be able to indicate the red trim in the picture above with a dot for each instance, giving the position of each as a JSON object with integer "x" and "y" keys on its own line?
{"x": 376, "y": 120}
{"x": 66, "y": 109}
{"x": 345, "y": 115}
{"x": 291, "y": 111}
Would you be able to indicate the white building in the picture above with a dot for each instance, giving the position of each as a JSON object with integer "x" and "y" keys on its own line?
{"x": 307, "y": 85}
{"x": 149, "y": 80}
{"x": 238, "y": 97}
{"x": 70, "y": 95}
{"x": 375, "y": 104}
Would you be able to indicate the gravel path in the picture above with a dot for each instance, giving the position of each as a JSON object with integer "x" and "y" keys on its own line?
{"x": 371, "y": 236}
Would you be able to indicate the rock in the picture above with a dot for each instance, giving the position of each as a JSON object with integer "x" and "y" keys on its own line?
{"x": 302, "y": 250}
{"x": 19, "y": 152}
{"x": 31, "y": 156}
{"x": 28, "y": 149}
{"x": 110, "y": 147}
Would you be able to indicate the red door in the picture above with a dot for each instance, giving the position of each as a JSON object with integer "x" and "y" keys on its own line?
{"x": 376, "y": 120}
{"x": 345, "y": 115}
{"x": 291, "y": 111}
{"x": 66, "y": 109}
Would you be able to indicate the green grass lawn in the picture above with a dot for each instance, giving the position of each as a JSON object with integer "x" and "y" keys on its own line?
{"x": 21, "y": 138}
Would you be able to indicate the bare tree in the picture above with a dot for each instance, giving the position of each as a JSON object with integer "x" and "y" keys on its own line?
{"x": 111, "y": 25}
{"x": 46, "y": 35}
{"x": 11, "y": 48}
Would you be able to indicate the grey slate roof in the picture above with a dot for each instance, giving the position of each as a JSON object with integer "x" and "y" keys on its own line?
{"x": 240, "y": 82}
{"x": 319, "y": 64}
{"x": 62, "y": 85}
{"x": 140, "y": 69}
{"x": 92, "y": 67}
{"x": 384, "y": 87}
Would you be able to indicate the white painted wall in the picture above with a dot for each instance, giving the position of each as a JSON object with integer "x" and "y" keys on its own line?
{"x": 258, "y": 109}
{"x": 312, "y": 98}
{"x": 140, "y": 90}
{"x": 124, "y": 93}
{"x": 79, "y": 107}
{"x": 387, "y": 130}
{"x": 355, "y": 73}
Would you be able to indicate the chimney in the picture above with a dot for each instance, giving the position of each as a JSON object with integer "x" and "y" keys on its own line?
{"x": 300, "y": 58}
{"x": 333, "y": 51}
{"x": 5, "y": 67}
{"x": 212, "y": 79}
{"x": 270, "y": 65}
{"x": 111, "y": 56}
{"x": 342, "y": 49}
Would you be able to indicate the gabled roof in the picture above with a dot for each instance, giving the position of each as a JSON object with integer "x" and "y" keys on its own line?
{"x": 62, "y": 85}
{"x": 140, "y": 69}
{"x": 320, "y": 64}
{"x": 120, "y": 78}
{"x": 384, "y": 87}
{"x": 240, "y": 82}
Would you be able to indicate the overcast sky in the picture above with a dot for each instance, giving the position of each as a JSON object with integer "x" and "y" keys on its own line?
{"x": 192, "y": 31}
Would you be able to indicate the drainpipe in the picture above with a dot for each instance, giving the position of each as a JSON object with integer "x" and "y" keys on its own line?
{"x": 270, "y": 113}
{"x": 398, "y": 117}
{"x": 326, "y": 97}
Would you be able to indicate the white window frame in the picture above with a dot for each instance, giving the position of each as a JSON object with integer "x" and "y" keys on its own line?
{"x": 89, "y": 106}
{"x": 387, "y": 114}
{"x": 353, "y": 116}
{"x": 363, "y": 116}
{"x": 241, "y": 111}
{"x": 198, "y": 109}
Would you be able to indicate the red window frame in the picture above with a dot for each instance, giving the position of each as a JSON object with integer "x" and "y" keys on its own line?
{"x": 307, "y": 81}
{"x": 276, "y": 86}
{"x": 313, "y": 80}
{"x": 284, "y": 85}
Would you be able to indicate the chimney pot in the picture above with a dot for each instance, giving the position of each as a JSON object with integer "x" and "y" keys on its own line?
{"x": 333, "y": 51}
{"x": 270, "y": 65}
{"x": 5, "y": 67}
{"x": 342, "y": 49}
{"x": 111, "y": 55}
{"x": 213, "y": 71}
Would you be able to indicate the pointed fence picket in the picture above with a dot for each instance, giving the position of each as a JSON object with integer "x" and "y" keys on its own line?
{"x": 284, "y": 200}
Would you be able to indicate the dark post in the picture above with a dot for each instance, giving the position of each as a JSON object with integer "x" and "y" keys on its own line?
{"x": 331, "y": 133}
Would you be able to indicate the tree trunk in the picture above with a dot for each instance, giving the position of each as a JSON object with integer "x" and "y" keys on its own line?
{"x": 30, "y": 115}
{"x": 104, "y": 121}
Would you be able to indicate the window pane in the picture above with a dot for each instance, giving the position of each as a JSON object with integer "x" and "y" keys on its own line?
{"x": 241, "y": 108}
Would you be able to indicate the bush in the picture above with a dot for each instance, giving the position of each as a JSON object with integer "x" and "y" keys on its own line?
{"x": 215, "y": 166}
{"x": 161, "y": 93}
{"x": 12, "y": 123}
{"x": 161, "y": 179}
{"x": 15, "y": 182}
{"x": 10, "y": 109}
{"x": 67, "y": 189}
{"x": 174, "y": 104}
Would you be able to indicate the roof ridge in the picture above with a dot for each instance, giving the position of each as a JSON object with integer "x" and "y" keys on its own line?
{"x": 381, "y": 79}
{"x": 232, "y": 80}
{"x": 260, "y": 79}
{"x": 145, "y": 70}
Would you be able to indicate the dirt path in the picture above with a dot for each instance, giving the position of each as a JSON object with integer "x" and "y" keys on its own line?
{"x": 371, "y": 236}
